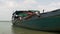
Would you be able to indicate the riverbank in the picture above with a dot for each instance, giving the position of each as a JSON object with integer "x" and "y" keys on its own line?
{"x": 5, "y": 21}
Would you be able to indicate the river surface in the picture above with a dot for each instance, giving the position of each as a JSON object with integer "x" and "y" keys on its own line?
{"x": 7, "y": 28}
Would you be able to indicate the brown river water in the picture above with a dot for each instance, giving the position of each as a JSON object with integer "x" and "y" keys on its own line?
{"x": 7, "y": 28}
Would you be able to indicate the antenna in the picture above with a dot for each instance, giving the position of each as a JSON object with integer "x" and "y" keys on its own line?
{"x": 43, "y": 10}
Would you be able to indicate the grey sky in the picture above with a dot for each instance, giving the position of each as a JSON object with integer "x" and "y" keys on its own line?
{"x": 8, "y": 6}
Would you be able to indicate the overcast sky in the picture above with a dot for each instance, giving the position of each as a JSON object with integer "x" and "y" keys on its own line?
{"x": 7, "y": 7}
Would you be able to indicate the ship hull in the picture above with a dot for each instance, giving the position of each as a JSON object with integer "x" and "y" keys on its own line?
{"x": 51, "y": 23}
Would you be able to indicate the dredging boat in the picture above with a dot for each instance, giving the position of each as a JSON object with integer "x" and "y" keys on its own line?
{"x": 48, "y": 21}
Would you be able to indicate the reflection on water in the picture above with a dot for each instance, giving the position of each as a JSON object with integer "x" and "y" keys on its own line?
{"x": 6, "y": 28}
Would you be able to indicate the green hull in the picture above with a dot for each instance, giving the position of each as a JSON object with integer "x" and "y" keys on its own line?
{"x": 49, "y": 23}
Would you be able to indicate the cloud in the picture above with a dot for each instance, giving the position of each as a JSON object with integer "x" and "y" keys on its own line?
{"x": 30, "y": 2}
{"x": 5, "y": 10}
{"x": 7, "y": 7}
{"x": 27, "y": 4}
{"x": 55, "y": 4}
{"x": 49, "y": 7}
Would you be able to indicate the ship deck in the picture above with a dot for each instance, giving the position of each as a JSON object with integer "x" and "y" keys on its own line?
{"x": 52, "y": 13}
